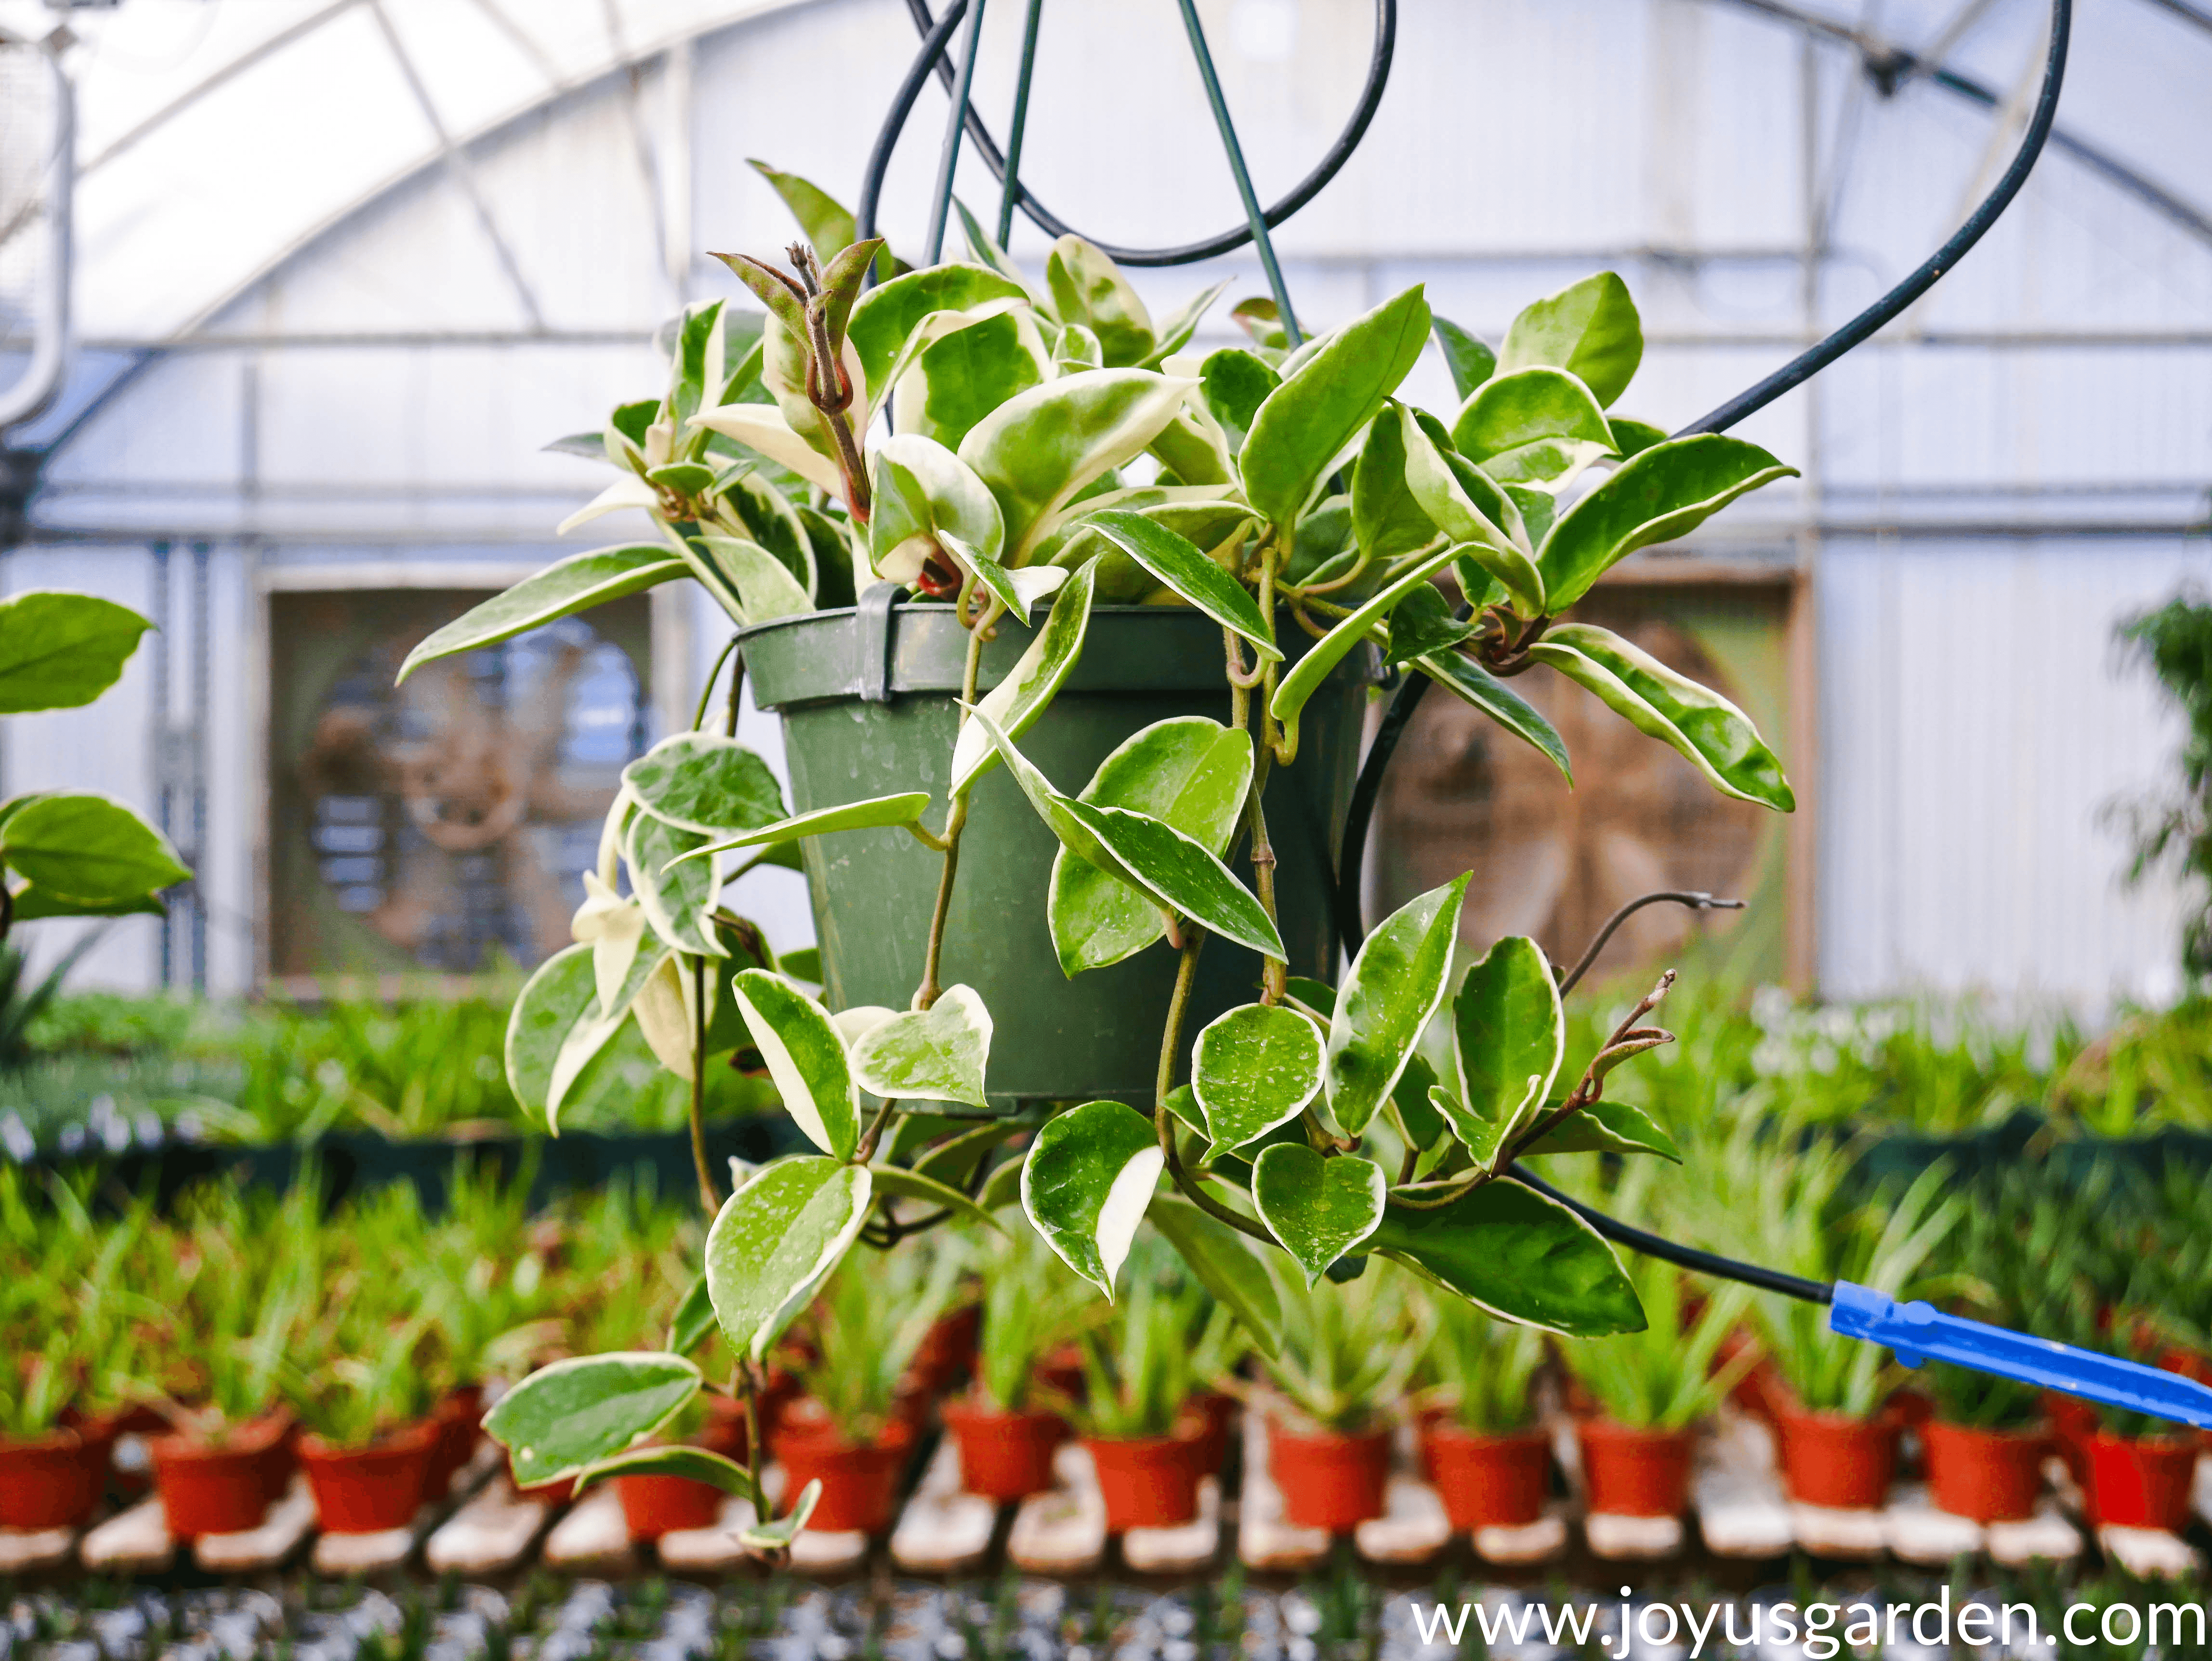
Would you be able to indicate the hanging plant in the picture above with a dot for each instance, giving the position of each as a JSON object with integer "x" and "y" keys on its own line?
{"x": 1110, "y": 733}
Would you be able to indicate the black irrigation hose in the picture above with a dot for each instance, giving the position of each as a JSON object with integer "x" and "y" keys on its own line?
{"x": 937, "y": 33}
{"x": 1689, "y": 1258}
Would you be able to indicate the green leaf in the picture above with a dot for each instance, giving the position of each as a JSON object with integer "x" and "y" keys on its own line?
{"x": 1201, "y": 515}
{"x": 1176, "y": 332}
{"x": 1002, "y": 1187}
{"x": 1395, "y": 987}
{"x": 1235, "y": 383}
{"x": 692, "y": 1464}
{"x": 1633, "y": 438}
{"x": 1471, "y": 361}
{"x": 1606, "y": 1127}
{"x": 677, "y": 894}
{"x": 1509, "y": 1040}
{"x": 1178, "y": 874}
{"x": 1193, "y": 450}
{"x": 988, "y": 253}
{"x": 1712, "y": 733}
{"x": 923, "y": 493}
{"x": 776, "y": 1239}
{"x": 1467, "y": 679}
{"x": 1425, "y": 1127}
{"x": 1184, "y": 1106}
{"x": 1387, "y": 520}
{"x": 32, "y": 903}
{"x": 1259, "y": 316}
{"x": 1510, "y": 1251}
{"x": 1252, "y": 1068}
{"x": 695, "y": 1319}
{"x": 887, "y": 314}
{"x": 1226, "y": 1266}
{"x": 575, "y": 584}
{"x": 705, "y": 783}
{"x": 1037, "y": 450}
{"x": 688, "y": 479}
{"x": 1191, "y": 772}
{"x": 875, "y": 813}
{"x": 904, "y": 1184}
{"x": 1324, "y": 654}
{"x": 1183, "y": 567}
{"x": 1319, "y": 1208}
{"x": 1088, "y": 289}
{"x": 769, "y": 519}
{"x": 1470, "y": 508}
{"x": 1076, "y": 350}
{"x": 1535, "y": 426}
{"x": 934, "y": 1055}
{"x": 574, "y": 1414}
{"x": 1539, "y": 508}
{"x": 79, "y": 846}
{"x": 1014, "y": 704}
{"x": 774, "y": 1536}
{"x": 1423, "y": 622}
{"x": 1086, "y": 1183}
{"x": 828, "y": 224}
{"x": 763, "y": 429}
{"x": 698, "y": 337}
{"x": 554, "y": 1030}
{"x": 1307, "y": 422}
{"x": 1589, "y": 327}
{"x": 967, "y": 371}
{"x": 764, "y": 584}
{"x": 60, "y": 651}
{"x": 1665, "y": 492}
{"x": 805, "y": 1056}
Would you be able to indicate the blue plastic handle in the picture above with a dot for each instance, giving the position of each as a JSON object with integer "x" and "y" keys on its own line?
{"x": 1920, "y": 1330}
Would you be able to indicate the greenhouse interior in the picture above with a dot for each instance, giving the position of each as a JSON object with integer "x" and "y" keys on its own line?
{"x": 788, "y": 871}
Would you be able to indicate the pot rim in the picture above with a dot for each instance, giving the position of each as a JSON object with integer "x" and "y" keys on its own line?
{"x": 2174, "y": 1444}
{"x": 1609, "y": 1429}
{"x": 1451, "y": 1430}
{"x": 250, "y": 1440}
{"x": 421, "y": 1433}
{"x": 2040, "y": 1431}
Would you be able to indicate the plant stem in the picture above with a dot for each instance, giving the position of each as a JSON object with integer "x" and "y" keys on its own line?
{"x": 956, "y": 821}
{"x": 737, "y": 696}
{"x": 708, "y": 1196}
{"x": 706, "y": 692}
{"x": 1164, "y": 1121}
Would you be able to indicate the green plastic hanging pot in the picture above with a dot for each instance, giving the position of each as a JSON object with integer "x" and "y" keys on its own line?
{"x": 868, "y": 697}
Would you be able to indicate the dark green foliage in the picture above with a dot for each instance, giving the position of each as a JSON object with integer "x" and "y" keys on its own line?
{"x": 2175, "y": 830}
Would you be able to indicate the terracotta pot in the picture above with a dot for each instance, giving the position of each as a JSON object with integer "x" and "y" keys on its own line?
{"x": 724, "y": 1430}
{"x": 550, "y": 1494}
{"x": 947, "y": 1352}
{"x": 1426, "y": 1417}
{"x": 1488, "y": 1482}
{"x": 282, "y": 1459}
{"x": 208, "y": 1489}
{"x": 1004, "y": 1455}
{"x": 1329, "y": 1480}
{"x": 654, "y": 1505}
{"x": 369, "y": 1490}
{"x": 457, "y": 1416}
{"x": 860, "y": 1480}
{"x": 55, "y": 1480}
{"x": 1635, "y": 1473}
{"x": 1985, "y": 1475}
{"x": 1208, "y": 1412}
{"x": 1147, "y": 1482}
{"x": 1837, "y": 1461}
{"x": 2073, "y": 1423}
{"x": 1062, "y": 1371}
{"x": 2142, "y": 1483}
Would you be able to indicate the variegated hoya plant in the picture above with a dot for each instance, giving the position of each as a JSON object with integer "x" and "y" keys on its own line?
{"x": 1050, "y": 442}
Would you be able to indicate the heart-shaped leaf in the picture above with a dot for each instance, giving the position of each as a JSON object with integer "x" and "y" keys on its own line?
{"x": 1396, "y": 985}
{"x": 1508, "y": 1036}
{"x": 923, "y": 492}
{"x": 1590, "y": 327}
{"x": 937, "y": 1053}
{"x": 776, "y": 1239}
{"x": 1319, "y": 1208}
{"x": 805, "y": 1056}
{"x": 1226, "y": 1266}
{"x": 1177, "y": 874}
{"x": 678, "y": 894}
{"x": 1535, "y": 426}
{"x": 1014, "y": 704}
{"x": 60, "y": 650}
{"x": 1086, "y": 1183}
{"x": 1663, "y": 493}
{"x": 705, "y": 783}
{"x": 1185, "y": 568}
{"x": 574, "y": 1414}
{"x": 1712, "y": 733}
{"x": 1189, "y": 771}
{"x": 1306, "y": 423}
{"x": 568, "y": 586}
{"x": 1512, "y": 1252}
{"x": 1088, "y": 289}
{"x": 1251, "y": 1069}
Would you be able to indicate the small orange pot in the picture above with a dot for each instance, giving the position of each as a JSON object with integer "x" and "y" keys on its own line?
{"x": 2073, "y": 1424}
{"x": 457, "y": 1417}
{"x": 1147, "y": 1482}
{"x": 56, "y": 1481}
{"x": 1985, "y": 1475}
{"x": 1004, "y": 1456}
{"x": 218, "y": 1490}
{"x": 1329, "y": 1480}
{"x": 1635, "y": 1473}
{"x": 369, "y": 1490}
{"x": 654, "y": 1504}
{"x": 1206, "y": 1416}
{"x": 1834, "y": 1460}
{"x": 1488, "y": 1482}
{"x": 860, "y": 1480}
{"x": 2142, "y": 1483}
